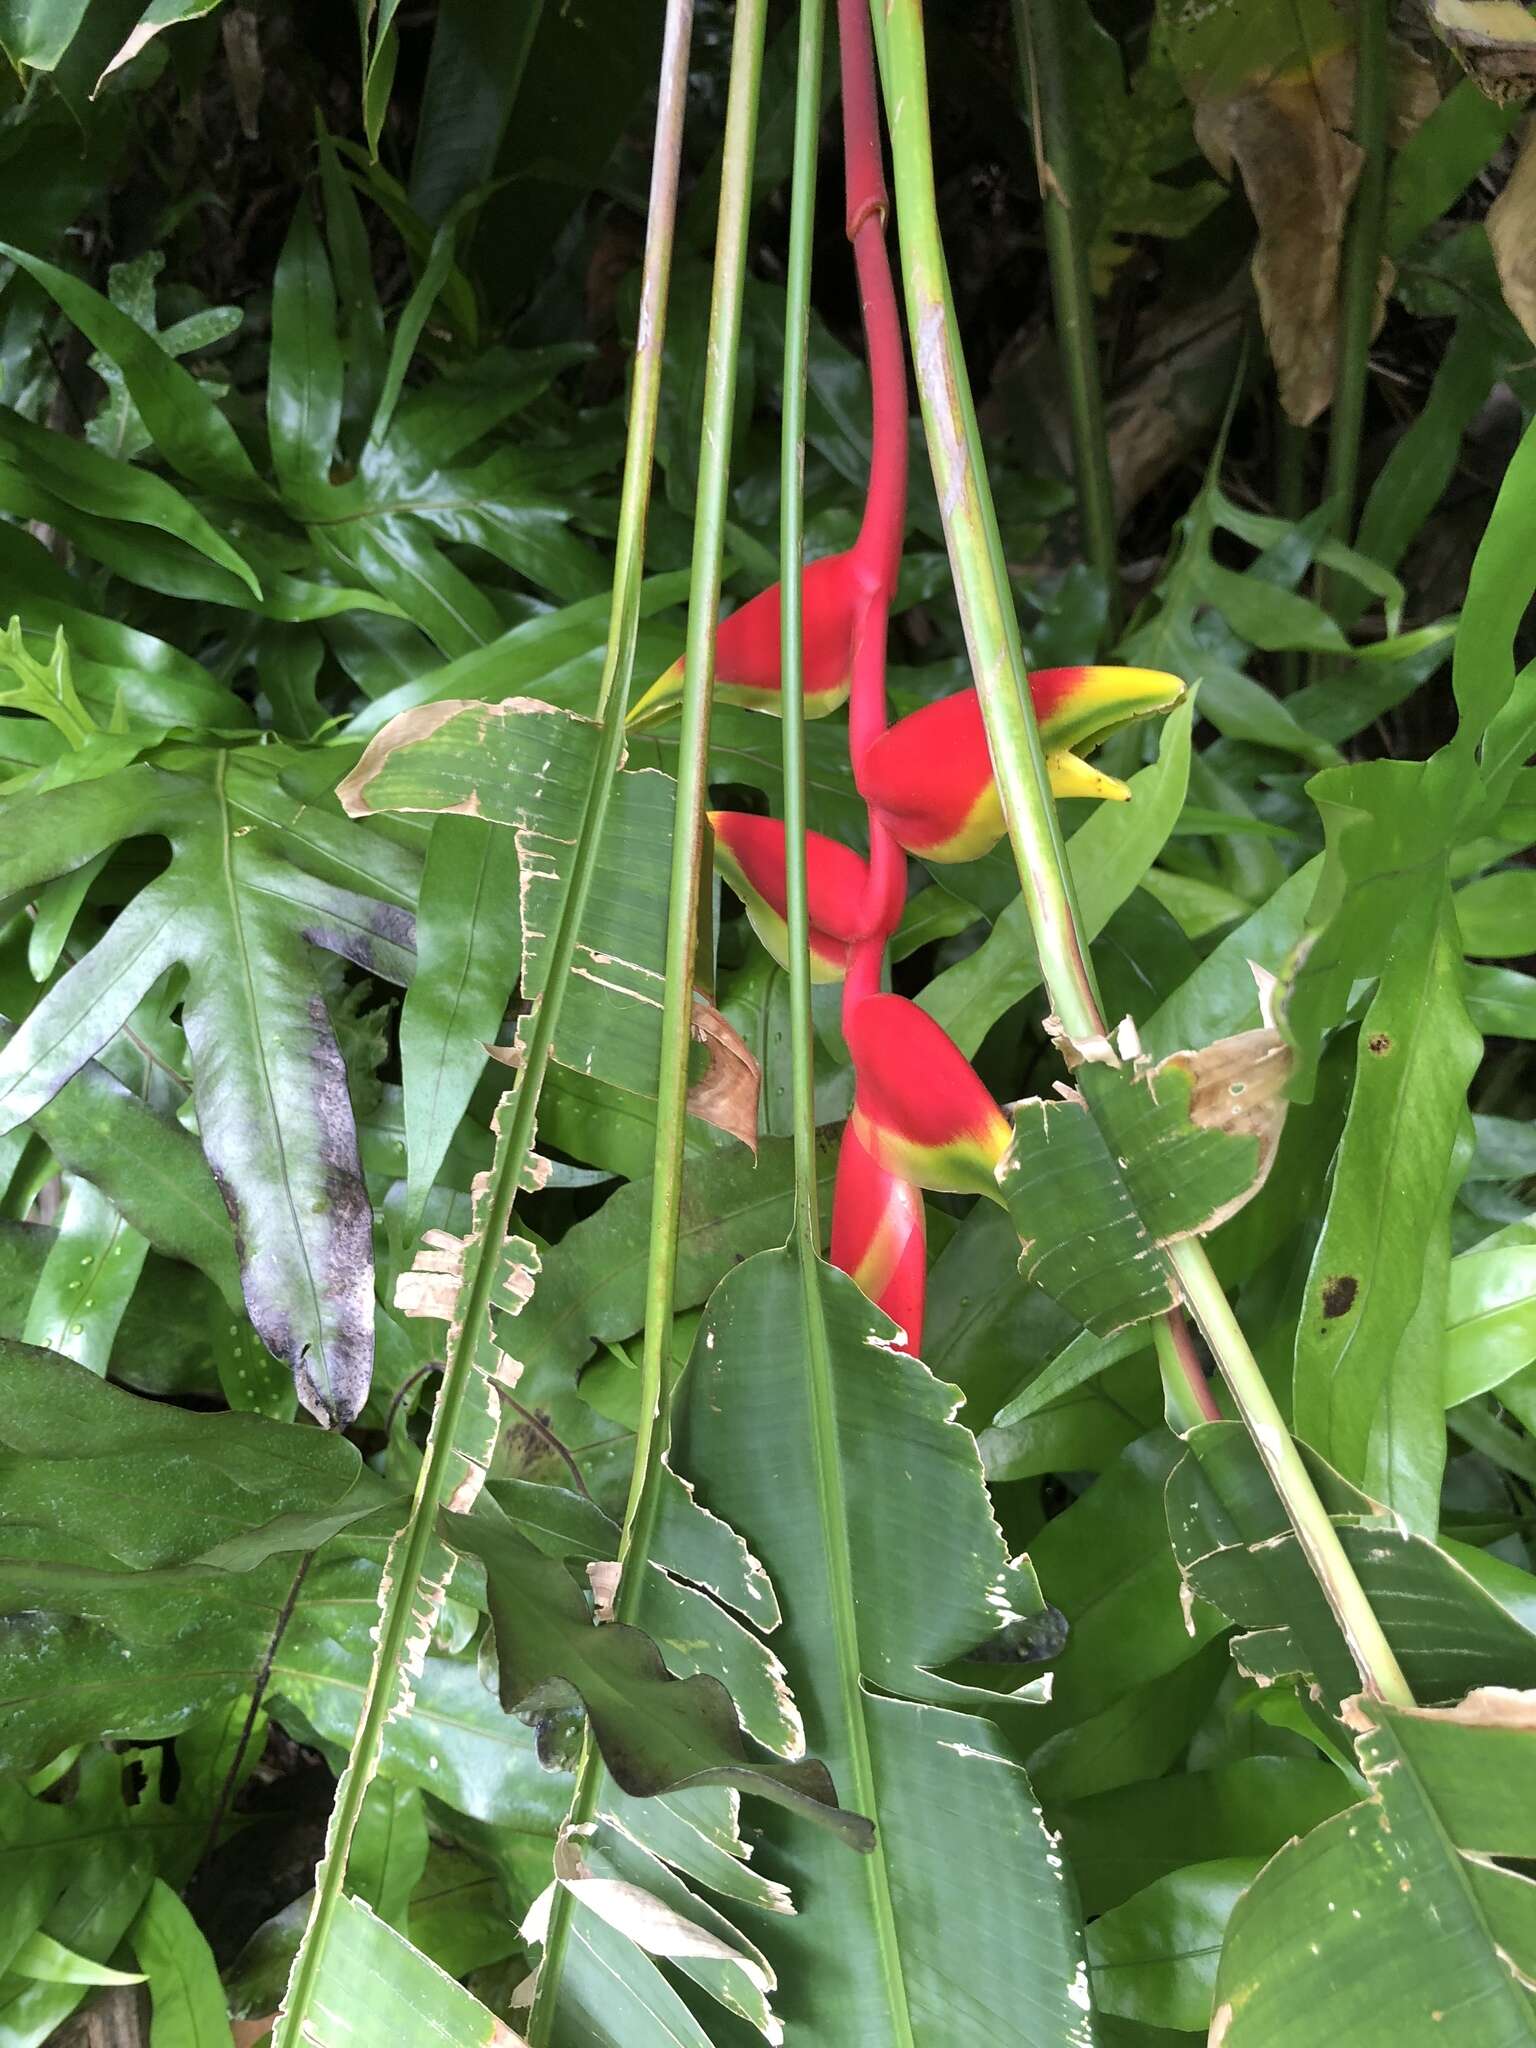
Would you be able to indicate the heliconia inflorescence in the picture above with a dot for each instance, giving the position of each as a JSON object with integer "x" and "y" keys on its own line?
{"x": 930, "y": 776}
{"x": 922, "y": 1117}
{"x": 749, "y": 852}
{"x": 919, "y": 1106}
{"x": 879, "y": 1236}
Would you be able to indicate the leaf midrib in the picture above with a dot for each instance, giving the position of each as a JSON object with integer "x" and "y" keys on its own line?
{"x": 259, "y": 1052}
{"x": 827, "y": 1459}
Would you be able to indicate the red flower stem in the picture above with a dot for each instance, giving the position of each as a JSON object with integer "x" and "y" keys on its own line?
{"x": 868, "y": 204}
{"x": 878, "y": 549}
{"x": 885, "y": 504}
{"x": 863, "y": 976}
{"x": 863, "y": 164}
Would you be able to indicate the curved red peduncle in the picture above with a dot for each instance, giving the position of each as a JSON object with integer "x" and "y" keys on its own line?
{"x": 885, "y": 503}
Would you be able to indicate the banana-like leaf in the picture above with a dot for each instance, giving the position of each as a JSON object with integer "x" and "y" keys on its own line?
{"x": 1098, "y": 1183}
{"x": 380, "y": 1988}
{"x": 839, "y": 1461}
{"x": 527, "y": 765}
{"x": 630, "y": 1910}
{"x": 257, "y": 877}
{"x": 1393, "y": 1922}
{"x": 657, "y": 1733}
{"x": 1237, "y": 1550}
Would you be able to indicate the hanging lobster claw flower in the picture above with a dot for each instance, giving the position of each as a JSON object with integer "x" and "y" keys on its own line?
{"x": 749, "y": 852}
{"x": 930, "y": 776}
{"x": 747, "y": 646}
{"x": 879, "y": 1237}
{"x": 920, "y": 1109}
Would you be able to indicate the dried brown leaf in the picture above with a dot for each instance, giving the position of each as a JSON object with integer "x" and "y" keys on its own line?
{"x": 1512, "y": 235}
{"x": 1494, "y": 41}
{"x": 725, "y": 1094}
{"x": 1489, "y": 1706}
{"x": 1288, "y": 134}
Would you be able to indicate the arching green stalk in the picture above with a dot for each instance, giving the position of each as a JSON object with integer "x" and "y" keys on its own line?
{"x": 401, "y": 1620}
{"x": 992, "y": 639}
{"x": 797, "y": 318}
{"x": 683, "y": 902}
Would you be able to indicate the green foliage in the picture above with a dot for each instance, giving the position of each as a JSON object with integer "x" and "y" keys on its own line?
{"x": 315, "y": 350}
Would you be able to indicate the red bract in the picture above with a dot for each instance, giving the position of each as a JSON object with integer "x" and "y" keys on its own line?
{"x": 749, "y": 852}
{"x": 920, "y": 1108}
{"x": 879, "y": 1237}
{"x": 930, "y": 776}
{"x": 747, "y": 645}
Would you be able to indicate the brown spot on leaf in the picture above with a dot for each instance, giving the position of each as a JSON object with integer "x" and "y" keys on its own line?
{"x": 1379, "y": 1042}
{"x": 1339, "y": 1294}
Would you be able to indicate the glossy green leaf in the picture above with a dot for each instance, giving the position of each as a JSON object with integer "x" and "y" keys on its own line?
{"x": 188, "y": 428}
{"x": 186, "y": 1997}
{"x": 1102, "y": 1564}
{"x": 1154, "y": 1958}
{"x": 1082, "y": 1360}
{"x": 389, "y": 1850}
{"x": 1376, "y": 1263}
{"x": 1490, "y": 1320}
{"x": 381, "y": 1988}
{"x": 152, "y": 1170}
{"x": 469, "y": 952}
{"x": 50, "y": 1962}
{"x": 473, "y": 75}
{"x": 1428, "y": 1938}
{"x": 592, "y": 1287}
{"x": 106, "y": 489}
{"x": 1124, "y": 1840}
{"x": 1497, "y": 914}
{"x": 525, "y": 765}
{"x": 227, "y": 1489}
{"x": 304, "y": 374}
{"x": 886, "y": 1601}
{"x": 88, "y": 1279}
{"x": 158, "y": 15}
{"x": 36, "y": 33}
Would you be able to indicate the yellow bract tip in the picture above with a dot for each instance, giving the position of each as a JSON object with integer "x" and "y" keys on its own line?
{"x": 659, "y": 698}
{"x": 1073, "y": 777}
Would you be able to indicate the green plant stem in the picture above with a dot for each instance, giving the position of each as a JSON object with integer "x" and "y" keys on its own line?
{"x": 1290, "y": 504}
{"x": 987, "y": 613}
{"x": 991, "y": 631}
{"x": 1038, "y": 32}
{"x": 688, "y": 834}
{"x": 797, "y": 319}
{"x": 400, "y": 1620}
{"x": 1315, "y": 1532}
{"x": 1361, "y": 269}
{"x": 688, "y": 839}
